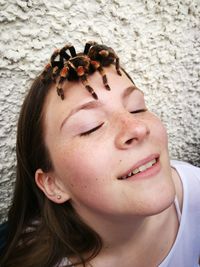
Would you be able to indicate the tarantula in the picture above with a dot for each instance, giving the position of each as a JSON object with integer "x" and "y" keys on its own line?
{"x": 79, "y": 66}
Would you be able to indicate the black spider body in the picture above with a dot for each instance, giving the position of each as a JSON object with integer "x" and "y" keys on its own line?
{"x": 75, "y": 64}
{"x": 103, "y": 54}
{"x": 79, "y": 66}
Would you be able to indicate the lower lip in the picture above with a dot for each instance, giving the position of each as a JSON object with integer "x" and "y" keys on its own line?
{"x": 148, "y": 173}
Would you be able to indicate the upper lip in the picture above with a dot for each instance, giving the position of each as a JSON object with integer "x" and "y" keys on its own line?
{"x": 140, "y": 163}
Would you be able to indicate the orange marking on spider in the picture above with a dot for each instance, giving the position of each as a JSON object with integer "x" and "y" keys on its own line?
{"x": 64, "y": 72}
{"x": 79, "y": 66}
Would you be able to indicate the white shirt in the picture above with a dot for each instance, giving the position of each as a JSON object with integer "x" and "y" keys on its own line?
{"x": 186, "y": 249}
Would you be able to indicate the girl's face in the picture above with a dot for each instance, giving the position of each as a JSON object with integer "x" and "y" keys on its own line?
{"x": 95, "y": 144}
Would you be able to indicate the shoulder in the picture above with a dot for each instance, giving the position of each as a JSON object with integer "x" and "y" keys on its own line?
{"x": 185, "y": 251}
{"x": 186, "y": 171}
{"x": 186, "y": 178}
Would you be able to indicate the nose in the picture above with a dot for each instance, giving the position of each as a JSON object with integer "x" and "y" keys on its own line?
{"x": 131, "y": 131}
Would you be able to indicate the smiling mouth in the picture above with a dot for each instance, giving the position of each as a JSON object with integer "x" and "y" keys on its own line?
{"x": 140, "y": 169}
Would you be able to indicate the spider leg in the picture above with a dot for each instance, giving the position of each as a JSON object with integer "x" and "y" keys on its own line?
{"x": 53, "y": 57}
{"x": 64, "y": 55}
{"x": 60, "y": 93}
{"x": 105, "y": 53}
{"x": 98, "y": 67}
{"x": 87, "y": 86}
{"x": 55, "y": 73}
{"x": 104, "y": 77}
{"x": 46, "y": 69}
{"x": 71, "y": 65}
{"x": 63, "y": 76}
{"x": 87, "y": 46}
{"x": 72, "y": 50}
{"x": 117, "y": 66}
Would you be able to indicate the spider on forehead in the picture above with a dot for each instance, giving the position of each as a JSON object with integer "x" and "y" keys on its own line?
{"x": 79, "y": 66}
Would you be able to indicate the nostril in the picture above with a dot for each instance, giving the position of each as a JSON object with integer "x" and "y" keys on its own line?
{"x": 128, "y": 142}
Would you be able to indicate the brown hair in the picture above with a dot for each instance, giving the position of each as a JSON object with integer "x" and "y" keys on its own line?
{"x": 37, "y": 235}
{"x": 40, "y": 232}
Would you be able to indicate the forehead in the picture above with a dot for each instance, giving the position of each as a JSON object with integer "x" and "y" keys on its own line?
{"x": 76, "y": 93}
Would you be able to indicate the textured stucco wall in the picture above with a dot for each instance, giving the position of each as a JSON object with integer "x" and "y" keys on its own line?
{"x": 158, "y": 42}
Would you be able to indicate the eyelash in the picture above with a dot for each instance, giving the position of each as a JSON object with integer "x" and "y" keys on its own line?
{"x": 99, "y": 126}
{"x": 91, "y": 130}
{"x": 138, "y": 111}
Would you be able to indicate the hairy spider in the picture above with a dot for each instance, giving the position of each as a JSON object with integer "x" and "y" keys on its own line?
{"x": 79, "y": 66}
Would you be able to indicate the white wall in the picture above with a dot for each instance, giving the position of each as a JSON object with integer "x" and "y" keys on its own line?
{"x": 158, "y": 43}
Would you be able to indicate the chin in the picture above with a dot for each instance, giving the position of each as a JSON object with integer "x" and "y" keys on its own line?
{"x": 160, "y": 202}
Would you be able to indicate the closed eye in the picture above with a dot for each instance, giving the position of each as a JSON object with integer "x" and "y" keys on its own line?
{"x": 138, "y": 111}
{"x": 92, "y": 130}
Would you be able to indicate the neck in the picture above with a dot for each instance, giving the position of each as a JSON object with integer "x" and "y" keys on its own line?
{"x": 137, "y": 230}
{"x": 132, "y": 238}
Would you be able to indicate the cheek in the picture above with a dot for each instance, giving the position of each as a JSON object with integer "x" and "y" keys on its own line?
{"x": 84, "y": 180}
{"x": 86, "y": 176}
{"x": 159, "y": 131}
{"x": 80, "y": 167}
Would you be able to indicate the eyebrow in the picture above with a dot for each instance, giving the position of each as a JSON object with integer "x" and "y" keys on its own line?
{"x": 128, "y": 91}
{"x": 95, "y": 103}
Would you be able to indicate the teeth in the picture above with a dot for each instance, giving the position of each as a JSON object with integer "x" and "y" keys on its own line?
{"x": 140, "y": 169}
{"x": 136, "y": 171}
{"x": 149, "y": 164}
